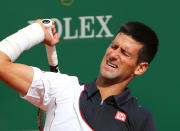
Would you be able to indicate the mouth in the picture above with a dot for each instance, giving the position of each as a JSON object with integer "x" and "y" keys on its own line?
{"x": 109, "y": 63}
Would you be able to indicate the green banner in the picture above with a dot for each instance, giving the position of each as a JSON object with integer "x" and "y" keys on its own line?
{"x": 86, "y": 28}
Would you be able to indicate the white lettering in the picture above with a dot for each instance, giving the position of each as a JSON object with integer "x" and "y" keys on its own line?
{"x": 86, "y": 29}
{"x": 67, "y": 29}
{"x": 85, "y": 26}
{"x": 104, "y": 26}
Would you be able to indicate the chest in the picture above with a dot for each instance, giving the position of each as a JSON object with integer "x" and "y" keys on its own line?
{"x": 105, "y": 115}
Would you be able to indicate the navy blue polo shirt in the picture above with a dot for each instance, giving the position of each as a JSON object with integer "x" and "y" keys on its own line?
{"x": 116, "y": 113}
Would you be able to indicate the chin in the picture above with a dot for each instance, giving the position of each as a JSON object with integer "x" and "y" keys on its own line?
{"x": 109, "y": 75}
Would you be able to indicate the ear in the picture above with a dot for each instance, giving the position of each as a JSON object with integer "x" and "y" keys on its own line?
{"x": 141, "y": 68}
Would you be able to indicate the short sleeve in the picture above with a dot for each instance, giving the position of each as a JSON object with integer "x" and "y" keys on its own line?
{"x": 45, "y": 87}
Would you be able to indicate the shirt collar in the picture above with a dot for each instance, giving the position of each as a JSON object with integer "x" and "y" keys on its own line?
{"x": 123, "y": 97}
{"x": 119, "y": 99}
{"x": 91, "y": 88}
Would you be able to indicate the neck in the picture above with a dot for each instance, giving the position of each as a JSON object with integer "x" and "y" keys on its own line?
{"x": 109, "y": 87}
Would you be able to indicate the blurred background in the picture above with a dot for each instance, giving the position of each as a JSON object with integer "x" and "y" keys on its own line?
{"x": 86, "y": 28}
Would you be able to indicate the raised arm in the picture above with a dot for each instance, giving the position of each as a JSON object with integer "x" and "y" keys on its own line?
{"x": 19, "y": 76}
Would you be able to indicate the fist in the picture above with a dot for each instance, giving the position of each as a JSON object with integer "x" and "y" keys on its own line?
{"x": 48, "y": 39}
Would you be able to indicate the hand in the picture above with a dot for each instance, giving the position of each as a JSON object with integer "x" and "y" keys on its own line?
{"x": 51, "y": 41}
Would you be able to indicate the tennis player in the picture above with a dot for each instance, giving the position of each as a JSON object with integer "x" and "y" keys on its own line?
{"x": 105, "y": 104}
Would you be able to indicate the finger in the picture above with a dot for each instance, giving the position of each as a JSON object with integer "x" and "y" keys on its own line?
{"x": 56, "y": 39}
{"x": 53, "y": 29}
{"x": 53, "y": 41}
{"x": 53, "y": 21}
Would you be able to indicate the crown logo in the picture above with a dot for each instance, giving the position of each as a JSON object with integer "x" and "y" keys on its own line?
{"x": 67, "y": 2}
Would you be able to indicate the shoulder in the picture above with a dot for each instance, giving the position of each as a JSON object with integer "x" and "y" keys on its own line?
{"x": 54, "y": 82}
{"x": 53, "y": 77}
{"x": 142, "y": 118}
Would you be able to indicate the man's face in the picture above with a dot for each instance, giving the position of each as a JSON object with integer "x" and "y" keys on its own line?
{"x": 120, "y": 59}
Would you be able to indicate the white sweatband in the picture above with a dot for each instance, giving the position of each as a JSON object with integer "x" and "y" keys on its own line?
{"x": 22, "y": 40}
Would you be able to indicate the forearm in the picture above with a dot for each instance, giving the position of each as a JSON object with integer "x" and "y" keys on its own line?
{"x": 24, "y": 39}
{"x": 18, "y": 76}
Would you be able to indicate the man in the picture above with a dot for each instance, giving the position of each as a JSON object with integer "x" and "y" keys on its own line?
{"x": 103, "y": 105}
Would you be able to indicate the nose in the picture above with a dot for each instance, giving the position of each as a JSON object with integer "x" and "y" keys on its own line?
{"x": 114, "y": 54}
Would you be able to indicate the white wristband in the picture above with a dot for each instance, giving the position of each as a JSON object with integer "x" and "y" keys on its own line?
{"x": 24, "y": 39}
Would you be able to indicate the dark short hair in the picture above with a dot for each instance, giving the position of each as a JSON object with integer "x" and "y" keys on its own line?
{"x": 146, "y": 36}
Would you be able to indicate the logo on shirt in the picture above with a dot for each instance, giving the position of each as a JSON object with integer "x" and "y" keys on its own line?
{"x": 121, "y": 116}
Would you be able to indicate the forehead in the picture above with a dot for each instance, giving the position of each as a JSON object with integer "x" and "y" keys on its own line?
{"x": 127, "y": 42}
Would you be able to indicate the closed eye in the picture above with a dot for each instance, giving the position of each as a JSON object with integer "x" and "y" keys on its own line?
{"x": 114, "y": 46}
{"x": 124, "y": 52}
